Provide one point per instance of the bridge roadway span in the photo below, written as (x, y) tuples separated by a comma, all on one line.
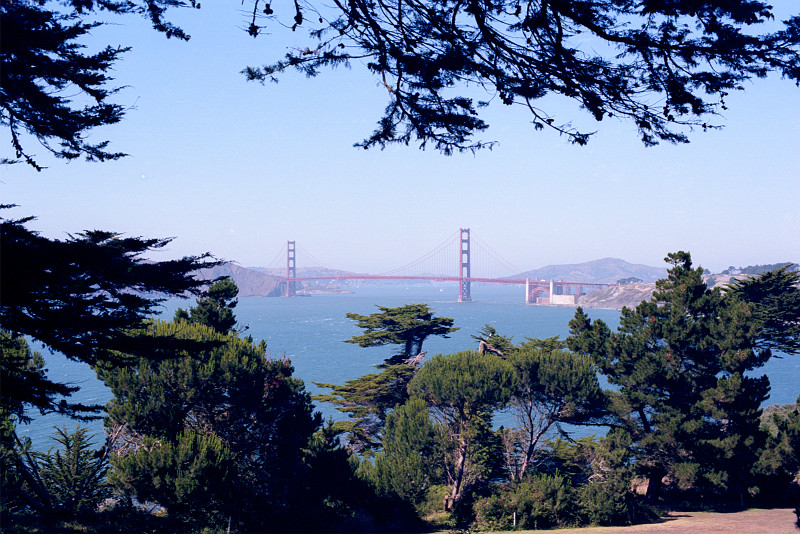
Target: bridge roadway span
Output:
[(437, 278), (533, 287)]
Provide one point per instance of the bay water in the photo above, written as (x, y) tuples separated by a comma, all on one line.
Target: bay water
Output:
[(311, 332)]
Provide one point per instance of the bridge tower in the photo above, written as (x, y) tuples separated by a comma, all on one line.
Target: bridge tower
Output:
[(464, 294), (291, 269)]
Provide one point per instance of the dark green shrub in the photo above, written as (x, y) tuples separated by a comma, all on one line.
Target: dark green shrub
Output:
[(535, 502), (606, 502)]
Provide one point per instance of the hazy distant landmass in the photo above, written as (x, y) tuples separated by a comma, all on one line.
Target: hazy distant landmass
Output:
[(630, 295), (606, 270), (251, 282), (263, 282)]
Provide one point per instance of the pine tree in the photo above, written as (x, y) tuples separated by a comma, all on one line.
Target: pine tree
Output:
[(462, 390), (369, 398), (214, 308), (74, 475), (42, 54), (411, 461), (552, 387), (407, 326), (241, 421), (682, 367), (663, 67), (779, 462)]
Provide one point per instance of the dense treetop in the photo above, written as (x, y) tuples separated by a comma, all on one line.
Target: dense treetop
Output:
[(684, 367), (663, 66), (85, 297), (52, 90), (407, 325)]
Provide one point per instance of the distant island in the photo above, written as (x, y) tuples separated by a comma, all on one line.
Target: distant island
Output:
[(636, 281)]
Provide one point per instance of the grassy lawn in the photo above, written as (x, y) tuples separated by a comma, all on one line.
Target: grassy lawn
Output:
[(755, 521)]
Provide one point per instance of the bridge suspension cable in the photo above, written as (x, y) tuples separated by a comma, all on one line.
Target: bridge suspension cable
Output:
[(512, 269), (436, 253), (314, 261), (279, 260)]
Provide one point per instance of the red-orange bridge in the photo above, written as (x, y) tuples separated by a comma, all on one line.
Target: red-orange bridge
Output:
[(536, 291)]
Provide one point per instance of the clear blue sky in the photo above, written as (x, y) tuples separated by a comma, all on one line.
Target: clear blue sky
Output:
[(237, 169)]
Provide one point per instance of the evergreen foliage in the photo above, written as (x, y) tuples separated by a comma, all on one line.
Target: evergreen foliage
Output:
[(237, 419), (407, 325), (369, 398), (85, 296), (682, 367), (51, 89), (587, 482), (779, 463), (489, 340), (412, 459), (214, 308), (66, 484), (552, 387), (462, 390), (612, 59), (535, 502), (74, 475), (24, 384), (773, 302), (192, 476)]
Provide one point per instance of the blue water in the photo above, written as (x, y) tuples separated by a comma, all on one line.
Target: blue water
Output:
[(310, 331)]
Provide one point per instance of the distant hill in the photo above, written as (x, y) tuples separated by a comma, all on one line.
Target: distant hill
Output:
[(262, 282), (251, 282), (617, 297), (631, 295), (607, 270)]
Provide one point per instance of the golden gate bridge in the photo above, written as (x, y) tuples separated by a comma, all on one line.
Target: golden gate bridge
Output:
[(456, 251)]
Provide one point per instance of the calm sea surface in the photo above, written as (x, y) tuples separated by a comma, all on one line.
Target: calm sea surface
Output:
[(310, 331)]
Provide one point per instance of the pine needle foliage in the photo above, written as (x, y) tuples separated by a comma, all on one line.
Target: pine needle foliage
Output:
[(74, 475), (53, 92), (407, 326), (222, 431), (462, 390), (552, 387), (683, 369), (663, 67), (369, 398)]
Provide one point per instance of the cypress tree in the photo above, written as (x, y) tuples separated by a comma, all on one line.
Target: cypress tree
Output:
[(682, 366), (223, 431), (462, 390), (367, 399)]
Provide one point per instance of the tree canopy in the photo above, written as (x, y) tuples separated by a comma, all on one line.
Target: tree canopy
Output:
[(683, 367), (368, 399), (663, 66), (551, 387), (51, 89), (84, 297), (462, 390), (213, 433), (407, 325), (215, 307)]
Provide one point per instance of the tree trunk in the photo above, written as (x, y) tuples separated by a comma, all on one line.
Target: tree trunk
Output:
[(458, 479), (654, 485)]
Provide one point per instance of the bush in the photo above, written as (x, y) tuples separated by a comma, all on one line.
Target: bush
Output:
[(606, 502), (535, 502)]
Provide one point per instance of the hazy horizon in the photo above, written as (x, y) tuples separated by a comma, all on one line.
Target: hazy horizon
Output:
[(237, 169)]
